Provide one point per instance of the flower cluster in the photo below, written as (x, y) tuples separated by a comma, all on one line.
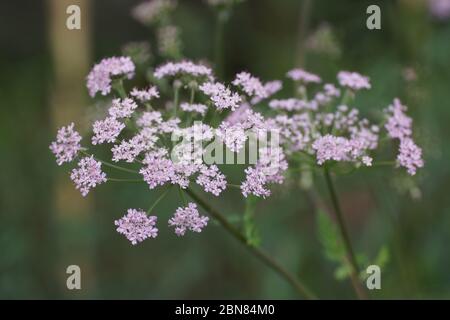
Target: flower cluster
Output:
[(136, 226), (162, 144), (399, 126), (67, 144), (188, 218), (101, 76), (88, 175)]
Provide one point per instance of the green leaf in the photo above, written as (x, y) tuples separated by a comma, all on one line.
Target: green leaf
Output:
[(383, 257), (329, 237)]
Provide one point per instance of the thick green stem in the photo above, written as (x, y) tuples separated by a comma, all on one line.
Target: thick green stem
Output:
[(350, 255), (117, 85), (259, 253)]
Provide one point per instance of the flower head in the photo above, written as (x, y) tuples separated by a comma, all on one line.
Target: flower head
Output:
[(189, 68), (398, 124), (410, 156), (145, 95), (100, 77), (194, 107), (251, 85), (212, 180), (353, 80), (67, 144), (122, 108), (221, 96), (106, 130), (303, 76), (136, 226), (88, 175), (152, 11), (188, 218)]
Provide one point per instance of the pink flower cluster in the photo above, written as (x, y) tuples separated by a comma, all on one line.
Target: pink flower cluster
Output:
[(136, 226), (88, 175), (101, 76), (353, 80), (172, 69), (167, 147), (188, 218), (67, 144), (303, 76), (221, 96), (399, 126)]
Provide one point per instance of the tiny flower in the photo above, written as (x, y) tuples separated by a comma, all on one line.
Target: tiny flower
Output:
[(221, 96), (145, 95), (410, 156), (172, 69), (100, 77), (303, 76), (252, 86), (152, 11), (149, 119), (88, 175), (291, 104), (136, 226), (158, 169), (67, 144), (255, 183), (195, 107), (122, 108), (398, 124), (188, 218), (353, 80), (270, 88), (331, 147), (212, 180), (106, 130)]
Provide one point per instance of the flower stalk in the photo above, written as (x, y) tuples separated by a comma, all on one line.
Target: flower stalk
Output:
[(350, 255), (259, 253)]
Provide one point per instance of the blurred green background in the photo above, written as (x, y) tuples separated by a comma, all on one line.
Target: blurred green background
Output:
[(46, 226)]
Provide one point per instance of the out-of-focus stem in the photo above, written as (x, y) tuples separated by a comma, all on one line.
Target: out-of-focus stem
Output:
[(350, 255), (219, 46), (259, 253)]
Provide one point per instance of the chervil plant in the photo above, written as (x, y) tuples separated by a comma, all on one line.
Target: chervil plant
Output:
[(178, 131)]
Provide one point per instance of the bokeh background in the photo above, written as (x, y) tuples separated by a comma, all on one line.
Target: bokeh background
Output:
[(45, 225)]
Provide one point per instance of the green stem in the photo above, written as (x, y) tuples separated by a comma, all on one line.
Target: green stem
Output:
[(108, 164), (222, 17), (259, 253), (125, 180), (158, 200), (350, 255), (176, 98), (117, 85)]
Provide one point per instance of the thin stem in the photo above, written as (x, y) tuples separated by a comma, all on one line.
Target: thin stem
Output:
[(125, 180), (183, 198), (176, 98), (350, 255), (191, 100), (384, 163), (108, 164), (158, 200), (259, 253)]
